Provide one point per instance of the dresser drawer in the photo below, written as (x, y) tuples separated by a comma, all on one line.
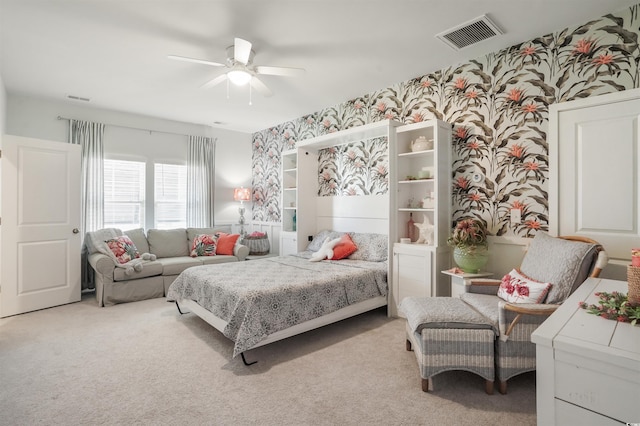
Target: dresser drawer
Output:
[(602, 389)]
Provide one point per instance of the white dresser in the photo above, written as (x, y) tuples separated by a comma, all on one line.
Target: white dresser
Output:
[(588, 367)]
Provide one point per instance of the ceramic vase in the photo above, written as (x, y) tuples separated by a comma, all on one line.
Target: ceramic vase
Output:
[(471, 259)]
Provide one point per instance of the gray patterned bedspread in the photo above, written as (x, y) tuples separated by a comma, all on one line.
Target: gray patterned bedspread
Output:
[(260, 297)]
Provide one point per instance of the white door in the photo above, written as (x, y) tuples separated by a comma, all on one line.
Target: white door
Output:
[(595, 181), (40, 221)]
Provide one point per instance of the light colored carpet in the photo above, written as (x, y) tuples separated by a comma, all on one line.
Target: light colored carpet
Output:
[(144, 363)]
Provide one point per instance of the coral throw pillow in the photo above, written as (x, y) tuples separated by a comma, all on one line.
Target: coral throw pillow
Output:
[(123, 249), (344, 248), (226, 243), (516, 288), (204, 245)]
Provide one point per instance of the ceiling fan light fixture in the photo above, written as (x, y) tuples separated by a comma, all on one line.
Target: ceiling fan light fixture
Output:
[(239, 77)]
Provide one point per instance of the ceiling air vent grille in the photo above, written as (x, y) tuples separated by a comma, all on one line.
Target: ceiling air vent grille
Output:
[(469, 33)]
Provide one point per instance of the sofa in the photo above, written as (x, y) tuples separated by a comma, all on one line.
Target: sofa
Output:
[(170, 250)]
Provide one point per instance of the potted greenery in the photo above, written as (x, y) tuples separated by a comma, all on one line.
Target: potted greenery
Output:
[(469, 242)]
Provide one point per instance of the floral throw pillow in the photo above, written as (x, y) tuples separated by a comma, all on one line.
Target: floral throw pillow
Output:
[(123, 249), (204, 245), (516, 288)]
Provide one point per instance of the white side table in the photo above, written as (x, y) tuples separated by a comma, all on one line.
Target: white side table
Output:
[(458, 281)]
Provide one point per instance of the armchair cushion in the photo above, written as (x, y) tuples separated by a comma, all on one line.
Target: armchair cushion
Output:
[(563, 263)]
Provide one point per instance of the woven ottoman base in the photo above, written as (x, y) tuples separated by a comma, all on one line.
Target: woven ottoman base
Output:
[(452, 345)]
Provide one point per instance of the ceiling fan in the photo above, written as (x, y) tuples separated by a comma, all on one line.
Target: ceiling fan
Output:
[(241, 69)]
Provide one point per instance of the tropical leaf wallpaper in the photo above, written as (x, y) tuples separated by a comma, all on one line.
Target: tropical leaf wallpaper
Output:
[(499, 107)]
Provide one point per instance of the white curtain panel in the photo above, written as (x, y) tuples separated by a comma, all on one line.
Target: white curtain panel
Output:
[(201, 175), (90, 137)]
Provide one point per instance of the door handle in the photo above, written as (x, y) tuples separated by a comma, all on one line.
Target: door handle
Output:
[(75, 230)]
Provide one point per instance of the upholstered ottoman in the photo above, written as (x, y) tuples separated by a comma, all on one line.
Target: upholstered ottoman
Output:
[(447, 334)]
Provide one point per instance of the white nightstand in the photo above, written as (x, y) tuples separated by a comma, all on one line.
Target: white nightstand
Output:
[(458, 281)]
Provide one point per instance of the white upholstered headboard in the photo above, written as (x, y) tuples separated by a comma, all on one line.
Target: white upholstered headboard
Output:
[(365, 213)]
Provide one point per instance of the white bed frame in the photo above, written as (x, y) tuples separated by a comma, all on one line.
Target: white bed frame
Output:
[(345, 214)]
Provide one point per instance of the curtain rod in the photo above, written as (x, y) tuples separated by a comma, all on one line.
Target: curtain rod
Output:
[(136, 128)]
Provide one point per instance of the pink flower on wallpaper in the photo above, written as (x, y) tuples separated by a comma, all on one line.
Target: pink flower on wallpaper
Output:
[(518, 205), (532, 224), (326, 176), (460, 83), (274, 131), (382, 170), (333, 185), (474, 197), (583, 46), (326, 123), (461, 132), (381, 106), (516, 151), (417, 117), (462, 182), (425, 84), (515, 95), (530, 107), (310, 120), (358, 105), (603, 59), (358, 164), (351, 154), (471, 94), (527, 51), (351, 192), (531, 166), (473, 145), (389, 116), (287, 135)]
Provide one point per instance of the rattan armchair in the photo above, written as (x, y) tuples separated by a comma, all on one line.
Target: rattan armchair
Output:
[(565, 262)]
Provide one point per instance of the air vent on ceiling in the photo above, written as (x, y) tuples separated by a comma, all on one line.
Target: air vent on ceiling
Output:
[(474, 31)]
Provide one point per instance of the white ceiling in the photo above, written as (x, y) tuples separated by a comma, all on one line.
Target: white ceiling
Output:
[(115, 51)]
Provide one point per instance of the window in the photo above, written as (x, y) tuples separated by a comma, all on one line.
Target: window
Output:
[(124, 185), (170, 207)]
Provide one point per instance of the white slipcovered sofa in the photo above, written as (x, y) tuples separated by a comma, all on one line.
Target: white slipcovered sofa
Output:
[(171, 248)]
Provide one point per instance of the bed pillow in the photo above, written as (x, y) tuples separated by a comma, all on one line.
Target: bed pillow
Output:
[(344, 248), (319, 239), (371, 247), (204, 245), (123, 249), (226, 243), (516, 288)]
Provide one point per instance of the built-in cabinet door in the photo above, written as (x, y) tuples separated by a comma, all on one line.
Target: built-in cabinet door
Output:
[(594, 188), (288, 243), (412, 271)]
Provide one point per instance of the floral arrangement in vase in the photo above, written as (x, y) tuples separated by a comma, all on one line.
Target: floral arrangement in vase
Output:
[(469, 239)]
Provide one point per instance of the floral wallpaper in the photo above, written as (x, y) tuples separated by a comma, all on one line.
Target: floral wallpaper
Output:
[(498, 105)]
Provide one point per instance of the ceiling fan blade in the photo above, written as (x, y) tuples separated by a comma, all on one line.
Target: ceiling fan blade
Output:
[(241, 50), (197, 61), (219, 79), (285, 71), (257, 84)]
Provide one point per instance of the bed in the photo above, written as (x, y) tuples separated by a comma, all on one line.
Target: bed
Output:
[(257, 302)]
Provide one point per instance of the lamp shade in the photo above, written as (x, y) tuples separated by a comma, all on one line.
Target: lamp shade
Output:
[(242, 194)]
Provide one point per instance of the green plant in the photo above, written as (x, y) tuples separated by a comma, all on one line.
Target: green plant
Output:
[(615, 306), (468, 233)]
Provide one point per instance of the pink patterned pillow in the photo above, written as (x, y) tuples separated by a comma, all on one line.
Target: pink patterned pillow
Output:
[(516, 288), (123, 249), (204, 245)]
